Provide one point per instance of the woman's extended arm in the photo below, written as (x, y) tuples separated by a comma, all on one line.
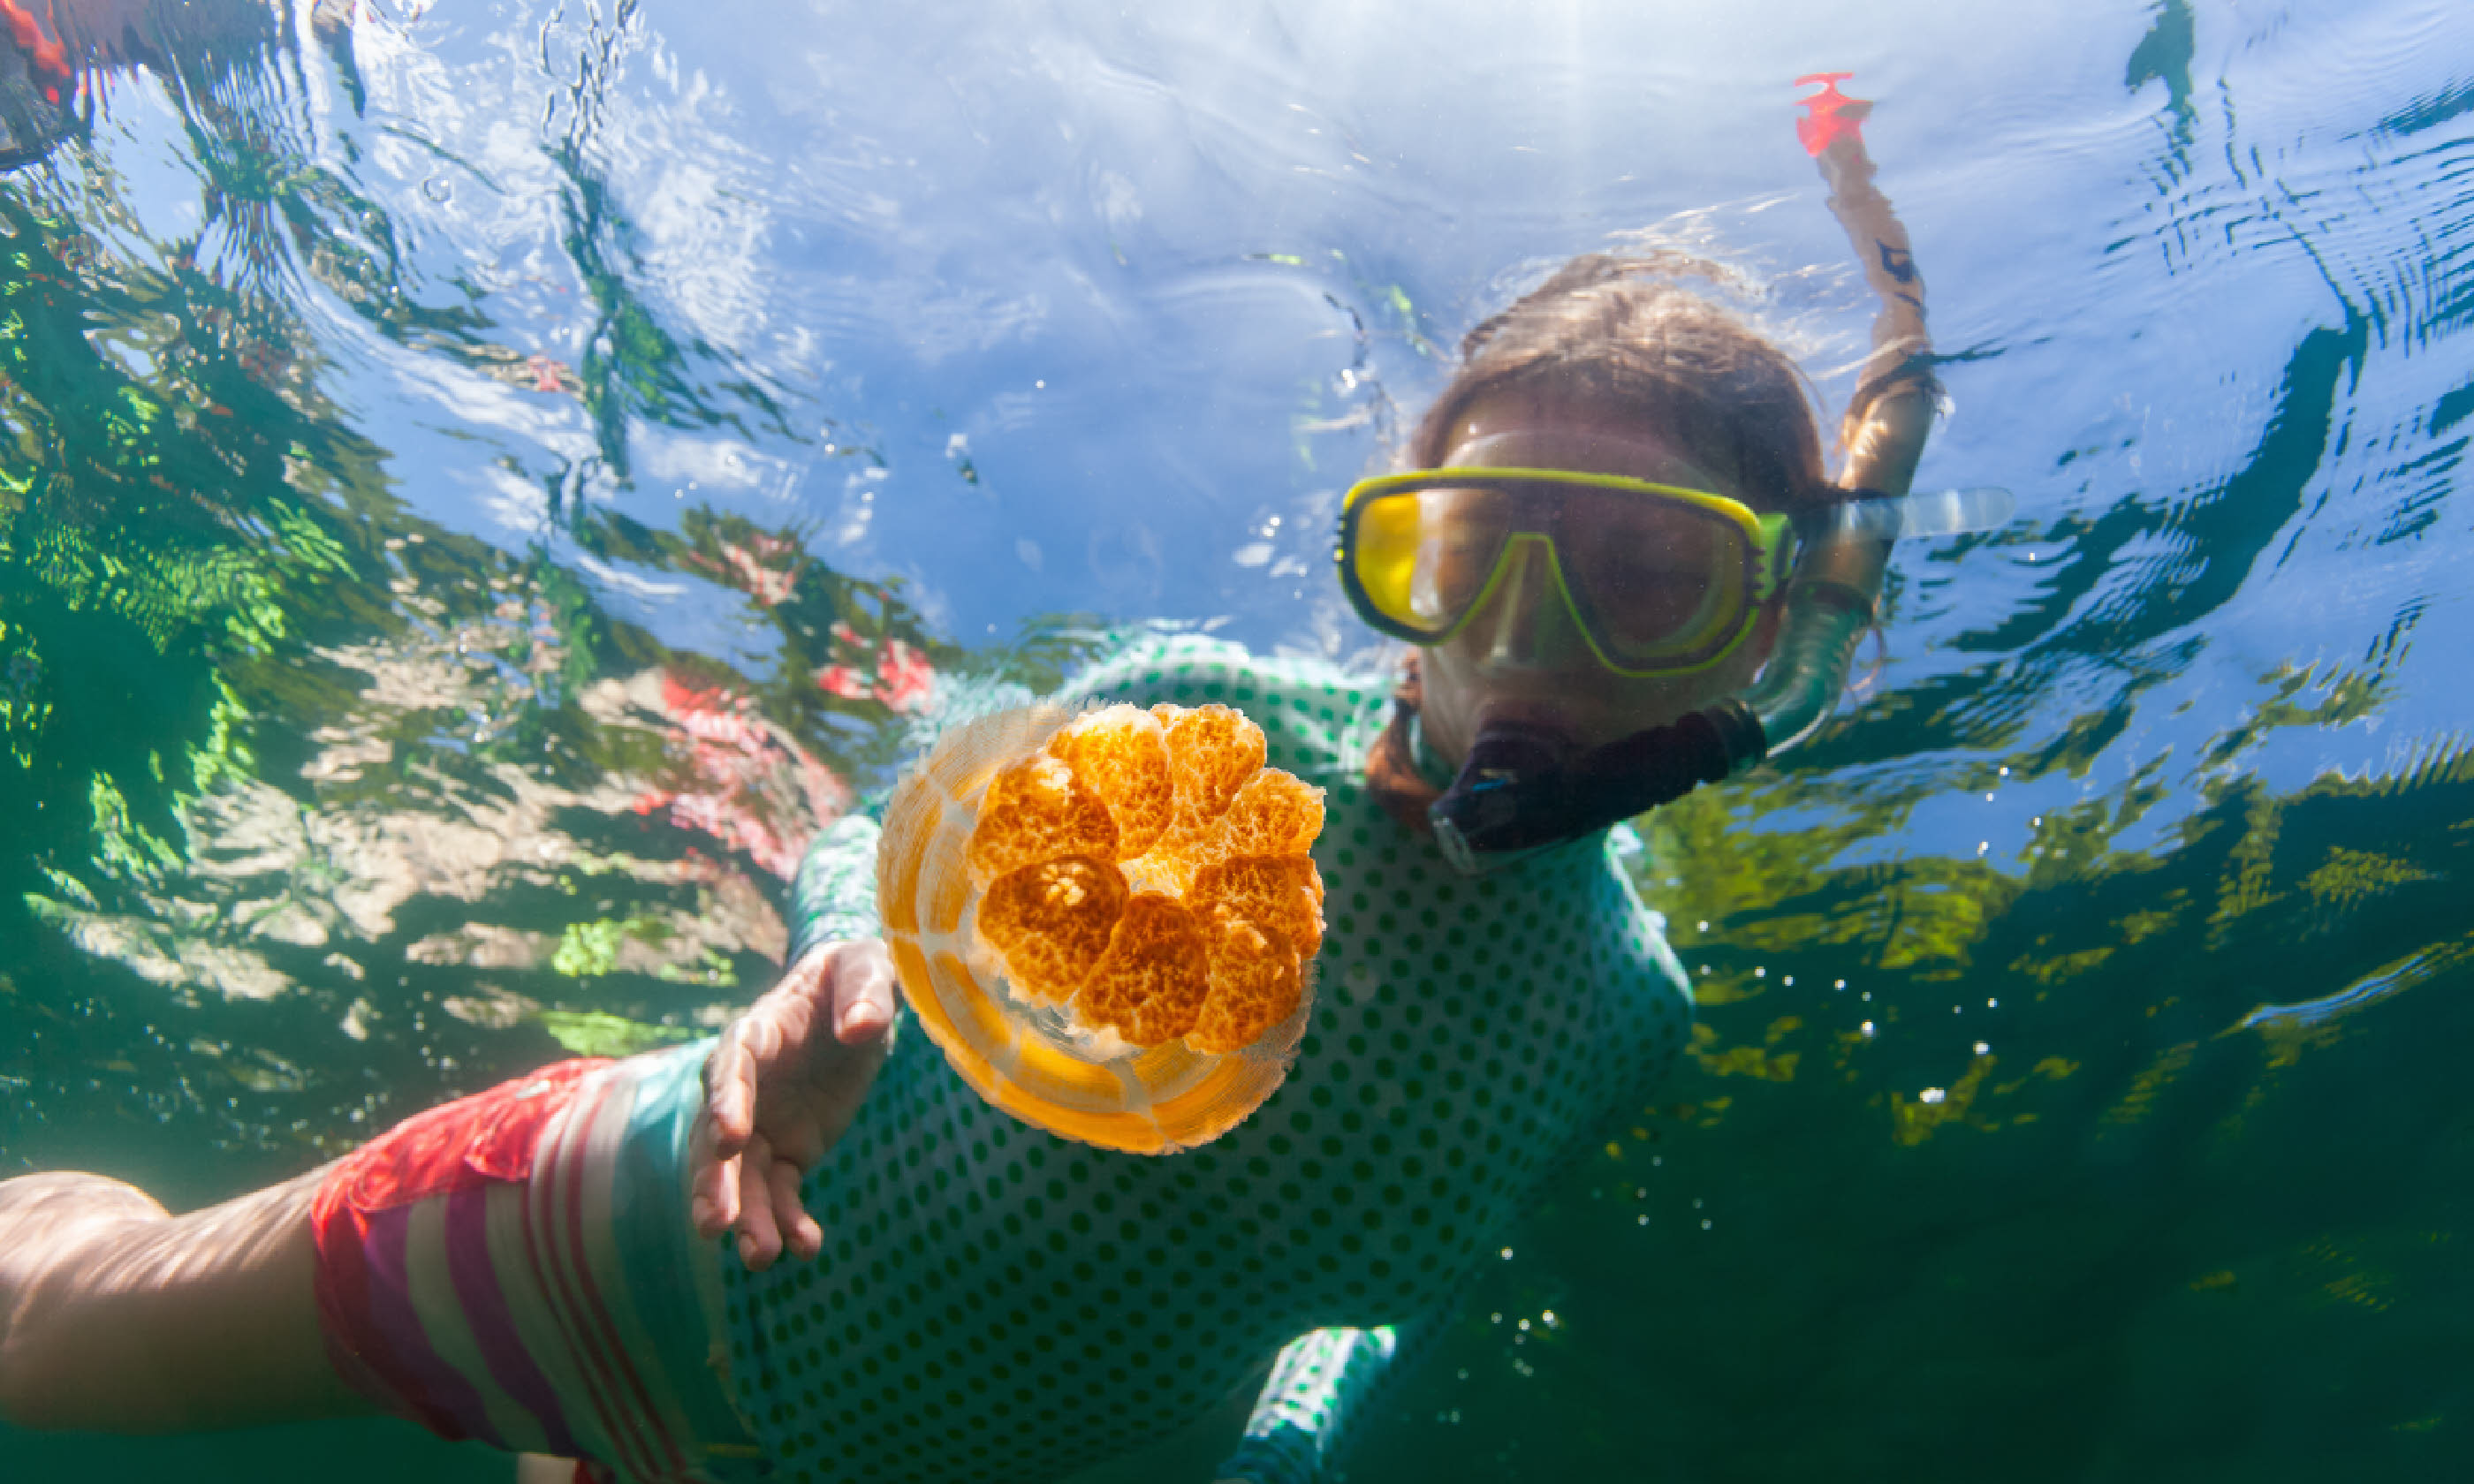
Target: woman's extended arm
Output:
[(1892, 408)]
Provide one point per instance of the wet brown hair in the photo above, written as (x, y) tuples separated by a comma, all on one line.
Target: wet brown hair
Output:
[(1643, 337)]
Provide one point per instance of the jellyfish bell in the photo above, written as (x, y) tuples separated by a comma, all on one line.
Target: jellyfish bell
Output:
[(1107, 919)]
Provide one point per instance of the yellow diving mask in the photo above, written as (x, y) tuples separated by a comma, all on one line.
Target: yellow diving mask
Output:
[(1658, 580)]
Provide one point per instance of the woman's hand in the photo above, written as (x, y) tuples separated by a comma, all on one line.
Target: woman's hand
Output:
[(780, 1088)]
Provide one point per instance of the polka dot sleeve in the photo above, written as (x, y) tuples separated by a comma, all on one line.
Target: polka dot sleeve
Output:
[(1318, 1383), (834, 900)]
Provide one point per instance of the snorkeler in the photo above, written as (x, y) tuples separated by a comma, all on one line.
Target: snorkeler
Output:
[(1624, 573)]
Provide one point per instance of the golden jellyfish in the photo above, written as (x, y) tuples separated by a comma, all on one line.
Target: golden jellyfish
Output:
[(1108, 919)]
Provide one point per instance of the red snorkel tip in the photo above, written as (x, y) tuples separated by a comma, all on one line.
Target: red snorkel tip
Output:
[(49, 64), (1830, 115)]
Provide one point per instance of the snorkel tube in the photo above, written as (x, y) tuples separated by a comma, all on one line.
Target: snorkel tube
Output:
[(1521, 790)]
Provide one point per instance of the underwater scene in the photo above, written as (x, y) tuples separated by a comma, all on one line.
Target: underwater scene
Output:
[(483, 482)]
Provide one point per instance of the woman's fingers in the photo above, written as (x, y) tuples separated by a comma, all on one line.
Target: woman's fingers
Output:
[(713, 1182), (863, 978), (749, 1048), (729, 1094), (800, 1233), (748, 1155), (759, 1238)]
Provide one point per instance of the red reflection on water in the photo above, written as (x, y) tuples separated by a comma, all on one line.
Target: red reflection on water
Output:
[(904, 676), (742, 780)]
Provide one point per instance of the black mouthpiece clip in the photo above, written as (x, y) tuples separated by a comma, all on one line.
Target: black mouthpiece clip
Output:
[(1522, 789)]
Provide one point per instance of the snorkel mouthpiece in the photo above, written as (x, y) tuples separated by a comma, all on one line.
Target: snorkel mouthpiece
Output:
[(1523, 789), (1505, 800)]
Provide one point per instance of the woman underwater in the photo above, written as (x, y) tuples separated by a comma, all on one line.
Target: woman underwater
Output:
[(1624, 573)]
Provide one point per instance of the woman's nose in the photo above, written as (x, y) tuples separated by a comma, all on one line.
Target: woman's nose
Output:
[(1526, 624)]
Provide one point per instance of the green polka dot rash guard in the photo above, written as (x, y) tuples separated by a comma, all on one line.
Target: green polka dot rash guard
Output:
[(995, 1302)]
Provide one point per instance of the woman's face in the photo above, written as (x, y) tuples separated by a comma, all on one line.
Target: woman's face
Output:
[(1518, 657)]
